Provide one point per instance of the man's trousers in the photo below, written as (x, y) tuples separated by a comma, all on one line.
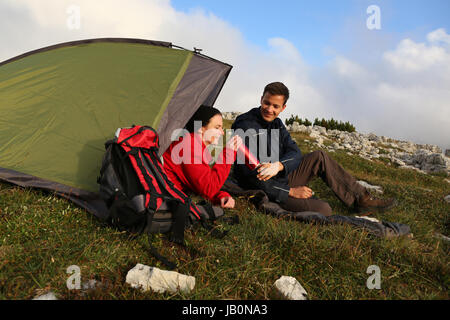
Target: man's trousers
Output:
[(319, 163)]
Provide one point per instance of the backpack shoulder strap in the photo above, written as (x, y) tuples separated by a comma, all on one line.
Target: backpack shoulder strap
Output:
[(168, 185)]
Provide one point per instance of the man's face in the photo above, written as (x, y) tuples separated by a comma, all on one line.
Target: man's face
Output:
[(271, 106)]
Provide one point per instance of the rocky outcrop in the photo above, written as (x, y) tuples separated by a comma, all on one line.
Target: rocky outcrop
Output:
[(424, 158), (230, 115)]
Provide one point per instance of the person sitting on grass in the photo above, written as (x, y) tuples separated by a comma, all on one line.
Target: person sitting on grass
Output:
[(187, 160), (285, 180)]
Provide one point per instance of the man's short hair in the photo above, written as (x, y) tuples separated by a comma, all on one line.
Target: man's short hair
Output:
[(277, 88)]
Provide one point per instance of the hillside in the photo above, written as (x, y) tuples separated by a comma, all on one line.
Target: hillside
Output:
[(41, 235)]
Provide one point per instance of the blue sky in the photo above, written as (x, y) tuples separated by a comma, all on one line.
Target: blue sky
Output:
[(320, 29)]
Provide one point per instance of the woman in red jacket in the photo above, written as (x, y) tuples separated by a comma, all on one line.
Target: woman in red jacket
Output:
[(187, 161)]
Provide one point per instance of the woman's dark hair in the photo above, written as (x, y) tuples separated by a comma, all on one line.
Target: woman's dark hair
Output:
[(203, 114)]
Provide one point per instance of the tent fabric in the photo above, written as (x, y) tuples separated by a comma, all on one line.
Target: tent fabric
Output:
[(84, 42), (60, 104), (201, 84), (90, 201)]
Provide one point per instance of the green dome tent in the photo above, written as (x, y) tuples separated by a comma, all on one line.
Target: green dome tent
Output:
[(59, 104)]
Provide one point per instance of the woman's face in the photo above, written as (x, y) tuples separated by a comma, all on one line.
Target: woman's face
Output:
[(213, 130)]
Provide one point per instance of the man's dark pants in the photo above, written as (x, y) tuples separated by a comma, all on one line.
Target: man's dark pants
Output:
[(319, 163)]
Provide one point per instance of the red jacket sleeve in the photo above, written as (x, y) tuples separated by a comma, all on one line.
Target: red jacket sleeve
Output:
[(207, 181), (219, 195)]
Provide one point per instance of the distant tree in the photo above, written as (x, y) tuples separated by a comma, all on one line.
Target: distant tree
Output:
[(331, 124)]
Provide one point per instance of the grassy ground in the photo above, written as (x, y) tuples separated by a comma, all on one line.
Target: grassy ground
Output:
[(41, 235)]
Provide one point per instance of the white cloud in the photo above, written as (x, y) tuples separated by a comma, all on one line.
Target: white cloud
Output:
[(439, 36), (288, 51), (404, 95), (410, 56), (347, 68)]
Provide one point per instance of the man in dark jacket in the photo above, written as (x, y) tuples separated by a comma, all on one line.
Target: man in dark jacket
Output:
[(284, 172)]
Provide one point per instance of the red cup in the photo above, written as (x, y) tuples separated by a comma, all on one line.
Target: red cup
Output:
[(250, 160)]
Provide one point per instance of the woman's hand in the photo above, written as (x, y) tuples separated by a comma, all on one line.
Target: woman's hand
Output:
[(227, 202)]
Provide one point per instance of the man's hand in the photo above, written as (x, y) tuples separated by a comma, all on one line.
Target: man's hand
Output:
[(227, 202), (269, 170), (300, 192)]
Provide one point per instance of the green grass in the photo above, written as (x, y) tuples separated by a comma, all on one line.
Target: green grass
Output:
[(41, 235)]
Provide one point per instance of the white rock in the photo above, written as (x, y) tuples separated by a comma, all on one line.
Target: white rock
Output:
[(335, 145), (320, 141), (292, 127), (407, 159), (333, 132), (355, 134), (230, 115), (447, 198), (370, 187), (399, 162), (364, 156), (48, 296), (374, 137), (289, 288), (347, 146), (438, 158), (303, 128), (314, 135), (152, 278), (296, 127), (321, 130), (429, 147)]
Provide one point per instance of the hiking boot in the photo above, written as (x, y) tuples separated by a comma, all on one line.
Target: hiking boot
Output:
[(367, 203)]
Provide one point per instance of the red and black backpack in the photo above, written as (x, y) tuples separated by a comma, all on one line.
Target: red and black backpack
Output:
[(139, 195)]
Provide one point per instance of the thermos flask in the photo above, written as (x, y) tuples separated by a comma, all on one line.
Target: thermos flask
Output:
[(250, 160)]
